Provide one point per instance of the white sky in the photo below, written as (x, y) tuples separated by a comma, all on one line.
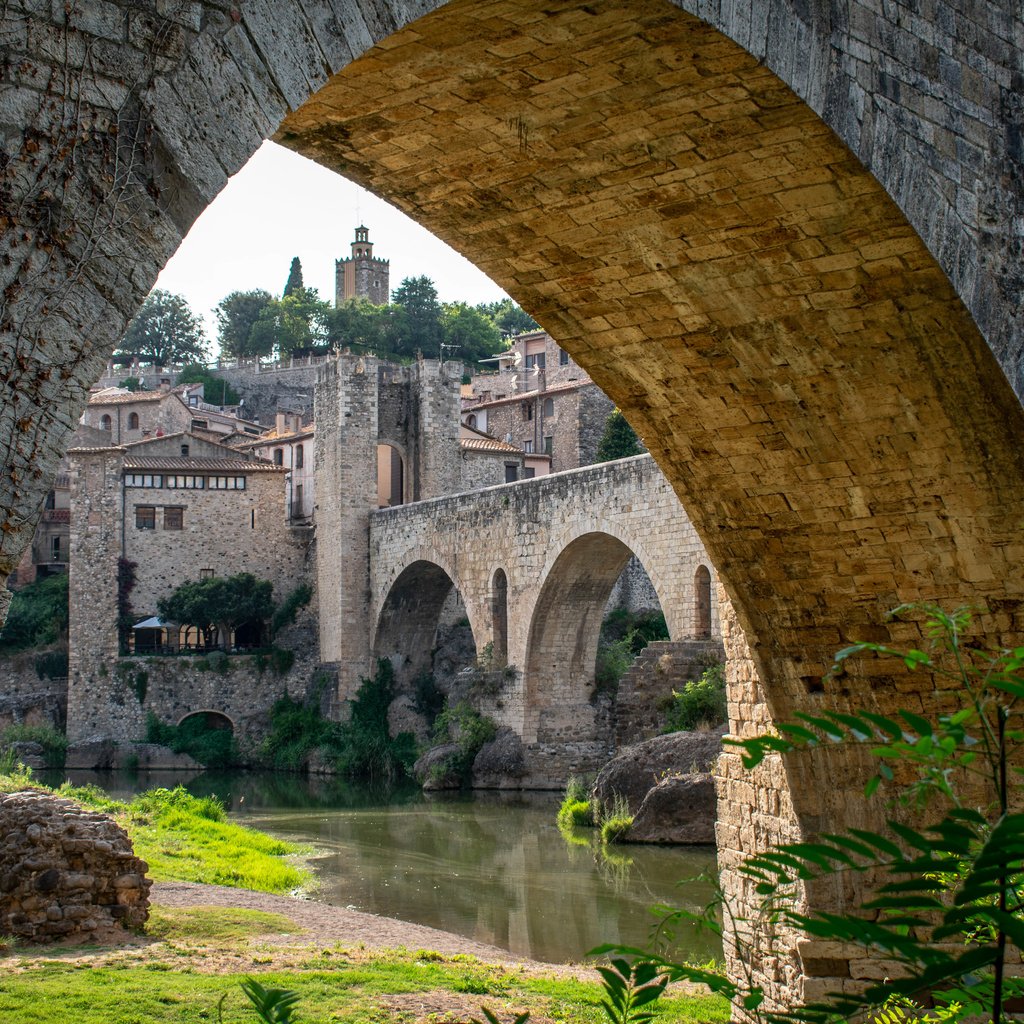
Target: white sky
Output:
[(282, 205)]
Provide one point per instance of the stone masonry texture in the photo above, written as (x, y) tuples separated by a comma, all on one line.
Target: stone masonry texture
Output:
[(784, 238)]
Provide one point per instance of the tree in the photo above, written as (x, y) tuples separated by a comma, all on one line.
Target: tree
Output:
[(359, 324), (302, 322), (294, 282), (472, 335), (218, 605), (164, 331), (237, 316), (216, 390), (417, 318), (509, 318), (619, 440)]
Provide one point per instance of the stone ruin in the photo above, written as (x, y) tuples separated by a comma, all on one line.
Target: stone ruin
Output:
[(66, 873)]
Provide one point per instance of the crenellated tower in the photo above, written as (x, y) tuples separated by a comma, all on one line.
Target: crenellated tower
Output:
[(361, 275)]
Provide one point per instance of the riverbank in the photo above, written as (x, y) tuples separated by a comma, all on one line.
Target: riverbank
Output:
[(348, 967)]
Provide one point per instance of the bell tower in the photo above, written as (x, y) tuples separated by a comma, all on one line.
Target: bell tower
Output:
[(361, 275)]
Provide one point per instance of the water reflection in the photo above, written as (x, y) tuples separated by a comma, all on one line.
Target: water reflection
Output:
[(491, 866)]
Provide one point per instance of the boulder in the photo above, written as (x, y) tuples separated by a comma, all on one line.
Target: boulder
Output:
[(679, 809), (433, 770), (107, 754), (499, 763), (30, 754), (637, 769), (99, 754)]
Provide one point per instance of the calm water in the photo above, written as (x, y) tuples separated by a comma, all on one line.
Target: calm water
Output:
[(490, 866)]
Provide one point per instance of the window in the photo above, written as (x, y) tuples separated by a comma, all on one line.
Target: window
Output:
[(471, 421), (548, 408), (189, 481), (55, 549), (300, 457), (145, 517), (206, 574), (529, 473), (184, 451), (528, 410), (528, 447), (536, 361), (174, 518), (278, 456), (143, 480), (106, 423), (200, 424), (563, 357), (297, 502), (226, 483), (549, 444), (133, 421), (511, 472)]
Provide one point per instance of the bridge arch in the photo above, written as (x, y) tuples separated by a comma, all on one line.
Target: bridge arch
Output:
[(558, 678), (211, 719), (409, 617), (721, 263)]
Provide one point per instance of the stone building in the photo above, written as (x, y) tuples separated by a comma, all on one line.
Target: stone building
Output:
[(289, 444), (180, 508), (361, 275), (542, 402)]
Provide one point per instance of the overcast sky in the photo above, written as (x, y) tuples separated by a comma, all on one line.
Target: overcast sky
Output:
[(282, 205)]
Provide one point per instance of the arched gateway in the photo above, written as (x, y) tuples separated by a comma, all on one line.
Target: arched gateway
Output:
[(774, 315)]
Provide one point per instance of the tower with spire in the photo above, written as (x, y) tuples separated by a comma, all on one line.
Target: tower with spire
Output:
[(361, 275)]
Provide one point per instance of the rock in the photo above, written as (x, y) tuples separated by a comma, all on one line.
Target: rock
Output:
[(500, 762), (637, 769), (51, 892), (98, 754), (433, 770), (679, 809), (32, 755), (148, 756), (403, 717)]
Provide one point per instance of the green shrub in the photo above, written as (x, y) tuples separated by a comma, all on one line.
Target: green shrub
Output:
[(285, 614), (281, 660), (468, 730), (212, 747), (216, 661), (700, 703), (296, 729), (428, 700), (38, 615), (624, 635), (576, 813), (54, 744), (616, 828)]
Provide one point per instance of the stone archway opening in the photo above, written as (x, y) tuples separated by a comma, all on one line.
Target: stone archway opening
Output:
[(207, 721), (424, 632), (390, 476)]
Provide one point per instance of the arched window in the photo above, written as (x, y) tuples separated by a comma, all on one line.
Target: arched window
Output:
[(299, 457), (471, 421), (106, 423), (499, 618), (702, 600), (133, 421)]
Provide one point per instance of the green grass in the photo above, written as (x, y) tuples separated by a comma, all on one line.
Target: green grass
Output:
[(349, 990), (214, 924), (185, 838)]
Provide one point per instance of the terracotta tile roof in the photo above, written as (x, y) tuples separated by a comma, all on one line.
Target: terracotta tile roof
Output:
[(94, 449), (172, 463), (272, 437), (471, 404), (115, 396), (489, 444)]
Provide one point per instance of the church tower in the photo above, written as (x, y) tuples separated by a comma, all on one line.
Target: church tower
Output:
[(361, 275)]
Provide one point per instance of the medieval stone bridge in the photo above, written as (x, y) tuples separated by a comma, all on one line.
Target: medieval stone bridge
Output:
[(535, 563), (784, 237)]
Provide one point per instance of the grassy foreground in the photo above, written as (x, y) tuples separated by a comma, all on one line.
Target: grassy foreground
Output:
[(205, 953)]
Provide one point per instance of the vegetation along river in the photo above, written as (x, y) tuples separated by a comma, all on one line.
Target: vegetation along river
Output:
[(491, 866)]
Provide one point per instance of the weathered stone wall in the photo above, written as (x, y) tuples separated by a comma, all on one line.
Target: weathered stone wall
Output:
[(29, 699), (633, 590), (661, 667), (265, 391), (66, 873), (163, 413), (226, 531), (485, 469)]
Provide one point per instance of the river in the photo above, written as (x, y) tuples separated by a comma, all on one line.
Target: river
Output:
[(491, 866)]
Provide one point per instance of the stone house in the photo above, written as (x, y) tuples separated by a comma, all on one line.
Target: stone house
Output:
[(540, 401), (289, 444)]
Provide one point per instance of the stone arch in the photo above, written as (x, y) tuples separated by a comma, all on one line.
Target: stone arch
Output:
[(702, 601), (562, 647), (408, 618), (499, 616), (212, 719), (392, 486)]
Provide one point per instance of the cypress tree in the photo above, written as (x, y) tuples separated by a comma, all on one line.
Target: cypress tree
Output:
[(294, 277)]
